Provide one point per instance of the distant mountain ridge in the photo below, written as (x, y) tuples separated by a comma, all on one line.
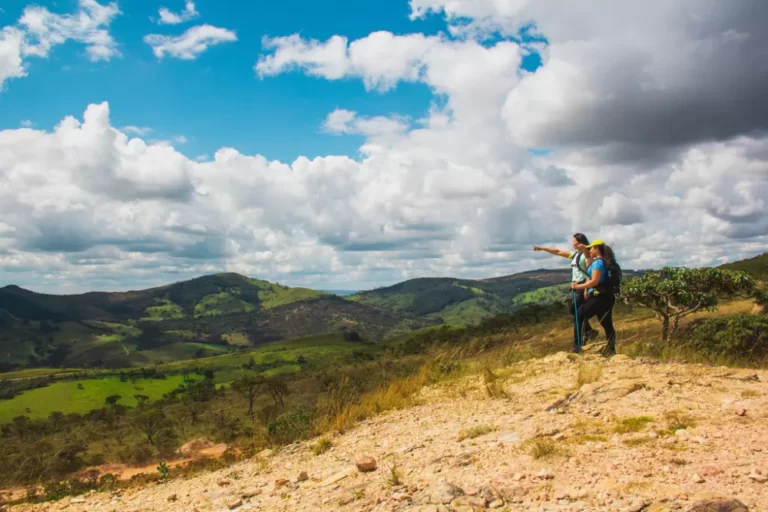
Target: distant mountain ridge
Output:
[(217, 313)]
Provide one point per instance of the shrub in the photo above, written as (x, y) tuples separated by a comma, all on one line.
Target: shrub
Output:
[(289, 427), (738, 336)]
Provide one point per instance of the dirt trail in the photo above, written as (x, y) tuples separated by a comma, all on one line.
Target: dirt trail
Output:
[(644, 436)]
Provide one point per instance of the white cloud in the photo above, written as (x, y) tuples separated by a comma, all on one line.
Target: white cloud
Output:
[(39, 30), (342, 121), (453, 193), (180, 139), (136, 130), (45, 29), (11, 62), (191, 43), (168, 17), (27, 124)]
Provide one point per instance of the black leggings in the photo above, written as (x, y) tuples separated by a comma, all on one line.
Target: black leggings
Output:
[(579, 295), (600, 306)]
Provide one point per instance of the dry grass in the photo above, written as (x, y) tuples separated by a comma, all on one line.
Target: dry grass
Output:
[(637, 441), (539, 448), (477, 431), (634, 424), (750, 393), (493, 385), (677, 420), (588, 373), (322, 446)]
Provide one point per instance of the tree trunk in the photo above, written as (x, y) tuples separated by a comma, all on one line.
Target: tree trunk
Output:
[(665, 328)]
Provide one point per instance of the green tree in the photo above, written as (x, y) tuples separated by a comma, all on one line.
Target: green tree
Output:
[(676, 292), (277, 389), (112, 400), (56, 418), (249, 386), (141, 400), (151, 423)]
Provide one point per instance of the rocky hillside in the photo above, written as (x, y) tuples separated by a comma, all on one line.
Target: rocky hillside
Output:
[(563, 433)]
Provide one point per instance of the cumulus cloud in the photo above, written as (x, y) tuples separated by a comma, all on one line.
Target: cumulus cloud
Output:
[(168, 17), (39, 30), (455, 192), (190, 44)]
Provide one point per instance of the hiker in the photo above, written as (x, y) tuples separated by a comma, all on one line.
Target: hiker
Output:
[(578, 275), (599, 291)]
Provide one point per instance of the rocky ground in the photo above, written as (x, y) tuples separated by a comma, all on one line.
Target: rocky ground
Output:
[(564, 433)]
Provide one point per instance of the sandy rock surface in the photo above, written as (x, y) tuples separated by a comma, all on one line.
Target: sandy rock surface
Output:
[(644, 436)]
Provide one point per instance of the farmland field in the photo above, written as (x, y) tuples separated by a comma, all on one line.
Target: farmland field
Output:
[(65, 396), (281, 357)]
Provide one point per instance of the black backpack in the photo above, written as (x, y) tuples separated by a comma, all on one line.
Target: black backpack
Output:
[(612, 283)]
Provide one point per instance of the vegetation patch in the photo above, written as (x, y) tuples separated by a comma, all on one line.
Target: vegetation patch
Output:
[(223, 303), (634, 424), (166, 310), (476, 431), (323, 445)]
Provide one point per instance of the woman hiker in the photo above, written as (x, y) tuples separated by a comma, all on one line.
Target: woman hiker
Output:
[(599, 299), (578, 275)]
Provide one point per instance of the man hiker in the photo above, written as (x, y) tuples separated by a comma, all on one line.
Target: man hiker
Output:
[(578, 275)]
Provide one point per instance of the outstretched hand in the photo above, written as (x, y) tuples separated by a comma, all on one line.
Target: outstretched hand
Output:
[(536, 248)]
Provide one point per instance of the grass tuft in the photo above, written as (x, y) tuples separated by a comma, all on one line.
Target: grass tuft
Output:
[(634, 424), (477, 431), (539, 448), (322, 446)]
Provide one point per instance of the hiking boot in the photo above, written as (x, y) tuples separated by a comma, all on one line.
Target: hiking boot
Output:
[(608, 351)]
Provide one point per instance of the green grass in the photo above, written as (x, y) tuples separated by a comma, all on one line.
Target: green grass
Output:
[(272, 295), (185, 335), (466, 312), (167, 310), (237, 338), (542, 295), (67, 398), (222, 303)]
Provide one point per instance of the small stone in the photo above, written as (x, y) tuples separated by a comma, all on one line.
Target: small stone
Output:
[(78, 500), (365, 464), (697, 478), (233, 504), (518, 476), (280, 482), (681, 432), (442, 492), (558, 436), (496, 504), (250, 493), (758, 478), (741, 412), (303, 477), (545, 474), (172, 498), (719, 506), (224, 482)]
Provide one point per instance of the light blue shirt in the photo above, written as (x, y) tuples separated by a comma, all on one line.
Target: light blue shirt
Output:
[(596, 265)]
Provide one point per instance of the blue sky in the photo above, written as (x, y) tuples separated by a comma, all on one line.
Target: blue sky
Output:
[(538, 122), (217, 100)]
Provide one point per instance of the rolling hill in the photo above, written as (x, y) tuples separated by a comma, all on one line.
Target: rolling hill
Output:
[(757, 267), (205, 316), (463, 301), (219, 313)]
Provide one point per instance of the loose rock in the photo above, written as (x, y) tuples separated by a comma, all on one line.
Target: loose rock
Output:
[(366, 464)]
